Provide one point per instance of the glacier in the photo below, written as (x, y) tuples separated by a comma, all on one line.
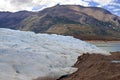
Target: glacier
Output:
[(25, 55)]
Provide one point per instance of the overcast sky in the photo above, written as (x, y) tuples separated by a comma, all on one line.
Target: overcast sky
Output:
[(36, 5)]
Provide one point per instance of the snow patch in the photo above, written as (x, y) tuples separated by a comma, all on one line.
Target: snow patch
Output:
[(115, 61)]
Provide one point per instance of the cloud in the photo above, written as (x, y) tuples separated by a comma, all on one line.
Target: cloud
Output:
[(49, 3), (16, 5), (115, 4), (78, 2), (116, 10), (110, 7), (35, 5), (100, 2), (103, 2)]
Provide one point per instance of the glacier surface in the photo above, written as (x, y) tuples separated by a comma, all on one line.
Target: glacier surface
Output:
[(26, 55)]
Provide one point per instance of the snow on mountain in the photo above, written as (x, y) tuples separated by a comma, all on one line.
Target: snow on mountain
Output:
[(26, 55)]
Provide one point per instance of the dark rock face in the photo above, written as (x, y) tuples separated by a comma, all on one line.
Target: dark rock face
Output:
[(64, 76), (97, 67), (74, 20)]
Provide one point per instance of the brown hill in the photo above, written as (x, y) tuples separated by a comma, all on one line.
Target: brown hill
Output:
[(97, 67), (91, 23)]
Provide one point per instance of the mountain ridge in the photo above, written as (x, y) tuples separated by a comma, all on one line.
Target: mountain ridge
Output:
[(74, 20)]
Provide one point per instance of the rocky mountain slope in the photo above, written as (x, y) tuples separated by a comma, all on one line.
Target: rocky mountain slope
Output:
[(12, 20), (91, 23), (96, 67)]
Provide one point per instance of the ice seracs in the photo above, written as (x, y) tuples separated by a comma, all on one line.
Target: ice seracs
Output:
[(26, 55)]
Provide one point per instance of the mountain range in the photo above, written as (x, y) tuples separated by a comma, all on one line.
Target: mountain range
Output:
[(87, 23)]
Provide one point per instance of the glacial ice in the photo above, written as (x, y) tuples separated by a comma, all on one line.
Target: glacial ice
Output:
[(25, 55)]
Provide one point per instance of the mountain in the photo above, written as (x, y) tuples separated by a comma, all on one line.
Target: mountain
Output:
[(88, 23), (12, 20), (96, 67), (26, 55)]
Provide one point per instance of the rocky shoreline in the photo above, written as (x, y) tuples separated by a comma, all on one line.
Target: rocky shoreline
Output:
[(97, 67), (94, 67)]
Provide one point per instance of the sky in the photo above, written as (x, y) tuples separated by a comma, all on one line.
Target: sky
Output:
[(36, 5)]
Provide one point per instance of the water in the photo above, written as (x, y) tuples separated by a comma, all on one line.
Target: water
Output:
[(108, 46)]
